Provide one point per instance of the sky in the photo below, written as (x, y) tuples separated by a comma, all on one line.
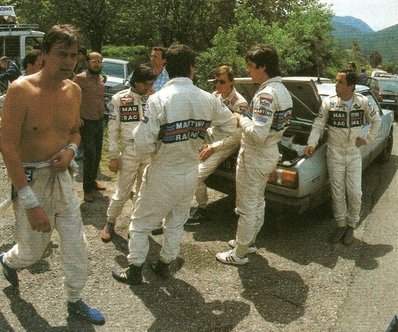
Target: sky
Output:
[(378, 14)]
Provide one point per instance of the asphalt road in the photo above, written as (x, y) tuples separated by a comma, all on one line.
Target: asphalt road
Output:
[(296, 281)]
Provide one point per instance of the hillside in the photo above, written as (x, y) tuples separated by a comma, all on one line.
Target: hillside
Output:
[(347, 29), (352, 22)]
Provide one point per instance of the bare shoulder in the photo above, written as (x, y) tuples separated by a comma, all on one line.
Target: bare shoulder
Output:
[(20, 89), (72, 87)]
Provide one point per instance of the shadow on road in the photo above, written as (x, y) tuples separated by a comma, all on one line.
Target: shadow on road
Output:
[(304, 239), (94, 213), (30, 320), (300, 238), (4, 325), (375, 181), (278, 296), (177, 306)]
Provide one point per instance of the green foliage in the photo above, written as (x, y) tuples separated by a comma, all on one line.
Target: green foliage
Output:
[(133, 54), (375, 59), (304, 42)]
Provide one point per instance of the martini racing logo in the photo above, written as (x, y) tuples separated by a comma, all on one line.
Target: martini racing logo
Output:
[(129, 113), (341, 119), (281, 119), (262, 110), (184, 130)]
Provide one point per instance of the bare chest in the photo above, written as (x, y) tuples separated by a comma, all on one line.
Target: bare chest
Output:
[(50, 112)]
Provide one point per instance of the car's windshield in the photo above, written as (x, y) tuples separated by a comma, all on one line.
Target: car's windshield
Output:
[(389, 86), (113, 69)]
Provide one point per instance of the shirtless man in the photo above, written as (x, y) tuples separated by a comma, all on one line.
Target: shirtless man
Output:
[(40, 135)]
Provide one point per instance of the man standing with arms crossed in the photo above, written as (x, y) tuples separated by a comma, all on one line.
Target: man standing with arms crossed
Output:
[(92, 128), (345, 114), (172, 132), (40, 134), (220, 146), (262, 128)]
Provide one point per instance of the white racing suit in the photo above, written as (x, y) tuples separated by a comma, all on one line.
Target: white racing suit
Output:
[(56, 194), (343, 157), (176, 120), (223, 145), (126, 111), (262, 126)]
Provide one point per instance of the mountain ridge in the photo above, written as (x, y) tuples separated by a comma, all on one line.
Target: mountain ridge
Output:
[(348, 29)]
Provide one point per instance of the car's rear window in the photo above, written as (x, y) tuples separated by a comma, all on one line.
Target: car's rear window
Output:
[(389, 86), (113, 69)]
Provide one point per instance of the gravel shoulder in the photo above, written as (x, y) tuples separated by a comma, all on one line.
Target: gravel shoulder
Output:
[(296, 281)]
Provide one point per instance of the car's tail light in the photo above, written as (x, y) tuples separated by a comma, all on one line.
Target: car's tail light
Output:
[(284, 178)]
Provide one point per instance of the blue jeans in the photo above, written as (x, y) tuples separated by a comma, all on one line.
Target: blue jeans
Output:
[(92, 133)]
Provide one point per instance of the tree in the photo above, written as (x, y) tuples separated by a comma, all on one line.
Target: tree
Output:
[(304, 42), (375, 59), (90, 16)]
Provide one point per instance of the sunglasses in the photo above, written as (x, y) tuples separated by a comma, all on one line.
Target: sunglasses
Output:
[(220, 81)]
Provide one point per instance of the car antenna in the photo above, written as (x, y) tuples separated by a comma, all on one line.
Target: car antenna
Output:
[(303, 104)]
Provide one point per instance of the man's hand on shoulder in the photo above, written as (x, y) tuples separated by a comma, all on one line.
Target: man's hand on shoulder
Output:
[(206, 152), (38, 219)]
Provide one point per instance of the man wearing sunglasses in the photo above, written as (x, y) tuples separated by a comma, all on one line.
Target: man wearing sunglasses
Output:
[(219, 145)]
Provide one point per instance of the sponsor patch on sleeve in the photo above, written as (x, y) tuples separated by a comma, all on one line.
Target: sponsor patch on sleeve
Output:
[(262, 112)]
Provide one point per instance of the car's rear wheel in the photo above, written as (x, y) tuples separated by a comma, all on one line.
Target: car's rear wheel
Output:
[(387, 149)]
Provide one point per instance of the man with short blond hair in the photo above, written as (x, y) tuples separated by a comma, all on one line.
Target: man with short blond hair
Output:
[(219, 145)]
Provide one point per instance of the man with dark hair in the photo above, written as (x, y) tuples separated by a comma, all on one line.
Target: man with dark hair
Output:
[(219, 145), (81, 64), (262, 127), (33, 62), (126, 110), (40, 134), (91, 129), (362, 77), (158, 60), (172, 132), (345, 113), (11, 71), (352, 66)]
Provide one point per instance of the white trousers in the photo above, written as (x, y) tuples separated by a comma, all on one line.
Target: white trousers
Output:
[(345, 174), (57, 195), (131, 168), (165, 193), (206, 168), (253, 168)]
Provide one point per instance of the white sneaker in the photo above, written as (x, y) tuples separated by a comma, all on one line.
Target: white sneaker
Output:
[(252, 248), (230, 257)]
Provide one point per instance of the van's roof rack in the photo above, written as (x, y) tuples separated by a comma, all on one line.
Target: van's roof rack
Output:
[(18, 27)]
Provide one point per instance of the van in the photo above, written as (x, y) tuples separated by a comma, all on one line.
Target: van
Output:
[(16, 39)]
